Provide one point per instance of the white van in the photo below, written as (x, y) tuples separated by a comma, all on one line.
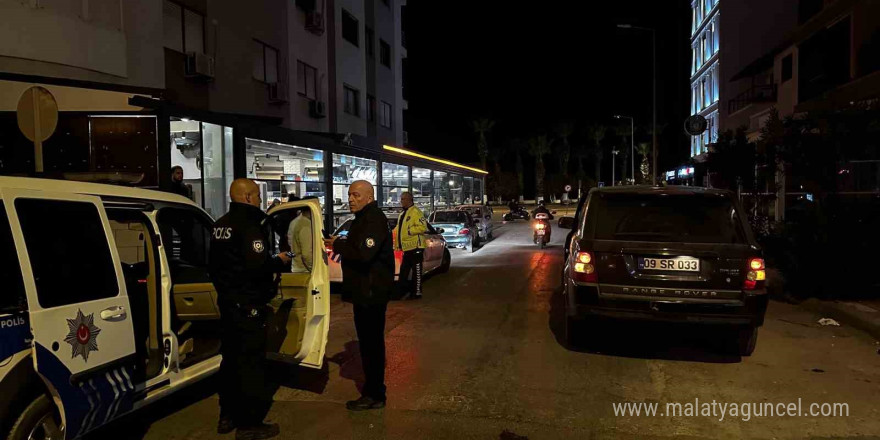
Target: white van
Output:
[(106, 303)]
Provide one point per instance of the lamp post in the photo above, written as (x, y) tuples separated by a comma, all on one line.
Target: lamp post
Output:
[(632, 148), (613, 166), (654, 92)]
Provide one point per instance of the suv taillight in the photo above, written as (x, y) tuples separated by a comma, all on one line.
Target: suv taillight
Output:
[(756, 275), (583, 269)]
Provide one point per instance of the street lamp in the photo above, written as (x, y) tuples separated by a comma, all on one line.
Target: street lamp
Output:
[(632, 148), (654, 87), (613, 166)]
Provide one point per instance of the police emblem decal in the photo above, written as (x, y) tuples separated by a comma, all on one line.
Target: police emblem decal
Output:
[(258, 246), (83, 335), (370, 242)]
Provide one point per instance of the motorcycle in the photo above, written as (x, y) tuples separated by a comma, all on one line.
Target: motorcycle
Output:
[(541, 235), (519, 213)]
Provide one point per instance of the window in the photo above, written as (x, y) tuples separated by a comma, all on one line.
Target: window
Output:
[(285, 170), (351, 104), (186, 236), (350, 29), (371, 108), (395, 181), (87, 272), (422, 188), (265, 62), (13, 297), (384, 53), (347, 169), (385, 115), (787, 67), (370, 37), (183, 29), (306, 85)]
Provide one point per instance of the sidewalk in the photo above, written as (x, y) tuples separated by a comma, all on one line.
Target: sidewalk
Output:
[(862, 315)]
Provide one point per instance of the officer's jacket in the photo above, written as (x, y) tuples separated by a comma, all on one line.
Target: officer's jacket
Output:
[(367, 258), (240, 263), (411, 225)]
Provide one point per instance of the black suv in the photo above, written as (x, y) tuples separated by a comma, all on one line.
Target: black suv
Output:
[(681, 254)]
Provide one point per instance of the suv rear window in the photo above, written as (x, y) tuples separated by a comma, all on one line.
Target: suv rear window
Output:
[(686, 218), (450, 217)]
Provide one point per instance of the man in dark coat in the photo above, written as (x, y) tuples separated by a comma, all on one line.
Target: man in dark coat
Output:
[(367, 254)]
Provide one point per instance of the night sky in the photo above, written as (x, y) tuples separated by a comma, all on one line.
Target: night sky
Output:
[(533, 64)]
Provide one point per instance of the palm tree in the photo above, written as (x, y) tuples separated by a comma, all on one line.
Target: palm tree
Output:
[(481, 127), (597, 134), (644, 149), (539, 146), (624, 132), (518, 147)]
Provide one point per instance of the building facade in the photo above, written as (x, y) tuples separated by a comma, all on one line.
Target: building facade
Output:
[(303, 96), (705, 69)]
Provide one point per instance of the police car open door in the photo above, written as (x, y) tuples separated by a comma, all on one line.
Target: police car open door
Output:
[(301, 320), (83, 345)]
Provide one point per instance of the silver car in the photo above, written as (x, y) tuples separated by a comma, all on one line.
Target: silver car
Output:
[(482, 214)]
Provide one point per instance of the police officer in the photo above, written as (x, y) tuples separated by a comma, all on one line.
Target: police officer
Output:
[(242, 271), (411, 226), (367, 280)]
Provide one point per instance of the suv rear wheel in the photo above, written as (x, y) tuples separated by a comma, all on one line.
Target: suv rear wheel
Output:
[(38, 421)]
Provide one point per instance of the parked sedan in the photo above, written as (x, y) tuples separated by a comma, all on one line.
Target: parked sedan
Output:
[(482, 214), (437, 258), (680, 254), (459, 229)]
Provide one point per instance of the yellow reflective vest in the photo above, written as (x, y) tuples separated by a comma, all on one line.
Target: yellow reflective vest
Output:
[(411, 226)]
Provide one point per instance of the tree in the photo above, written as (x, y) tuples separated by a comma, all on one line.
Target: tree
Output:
[(644, 149), (563, 148), (518, 147), (596, 133), (539, 146), (624, 132), (481, 127)]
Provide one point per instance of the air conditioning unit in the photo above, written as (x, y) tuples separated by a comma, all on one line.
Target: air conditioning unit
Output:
[(315, 22), (277, 93), (317, 109), (199, 65)]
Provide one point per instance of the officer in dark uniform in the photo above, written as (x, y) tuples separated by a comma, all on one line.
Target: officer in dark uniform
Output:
[(367, 254), (242, 271)]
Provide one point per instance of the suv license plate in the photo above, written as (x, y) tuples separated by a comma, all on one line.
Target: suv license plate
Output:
[(677, 264)]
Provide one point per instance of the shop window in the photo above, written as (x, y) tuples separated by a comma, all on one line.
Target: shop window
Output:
[(350, 28), (306, 80), (442, 192), (87, 272), (13, 297), (384, 53), (395, 182), (422, 188), (385, 115), (186, 153), (183, 28), (186, 236), (347, 169), (283, 170), (265, 62), (351, 104), (467, 191), (218, 167)]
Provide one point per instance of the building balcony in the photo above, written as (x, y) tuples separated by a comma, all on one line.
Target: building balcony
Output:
[(755, 94)]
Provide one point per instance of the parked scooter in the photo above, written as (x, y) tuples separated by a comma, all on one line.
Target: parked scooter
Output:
[(519, 213)]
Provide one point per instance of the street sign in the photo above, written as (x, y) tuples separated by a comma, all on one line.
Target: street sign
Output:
[(601, 184), (567, 188), (37, 115), (695, 125)]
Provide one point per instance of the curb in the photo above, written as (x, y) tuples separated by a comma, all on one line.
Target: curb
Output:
[(855, 315)]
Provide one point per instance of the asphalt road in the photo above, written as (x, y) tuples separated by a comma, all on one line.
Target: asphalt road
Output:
[(481, 357)]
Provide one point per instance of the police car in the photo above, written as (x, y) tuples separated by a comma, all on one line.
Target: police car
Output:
[(107, 304)]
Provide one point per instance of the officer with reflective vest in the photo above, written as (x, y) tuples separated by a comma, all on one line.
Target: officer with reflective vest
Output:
[(243, 272), (411, 228)]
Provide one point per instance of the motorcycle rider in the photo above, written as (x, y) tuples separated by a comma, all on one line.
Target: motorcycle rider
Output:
[(542, 209)]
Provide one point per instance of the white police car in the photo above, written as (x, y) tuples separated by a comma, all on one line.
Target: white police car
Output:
[(106, 304)]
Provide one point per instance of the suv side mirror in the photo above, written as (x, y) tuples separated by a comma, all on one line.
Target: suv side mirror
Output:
[(566, 222)]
